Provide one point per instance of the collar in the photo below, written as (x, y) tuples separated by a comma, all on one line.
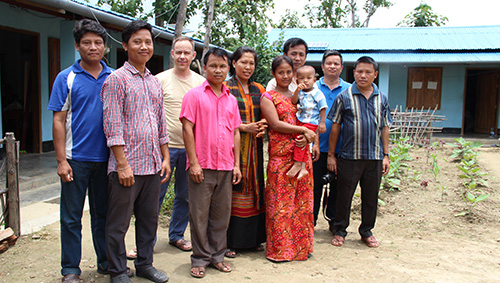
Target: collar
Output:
[(355, 89), (206, 86), (134, 71), (78, 69), (321, 82)]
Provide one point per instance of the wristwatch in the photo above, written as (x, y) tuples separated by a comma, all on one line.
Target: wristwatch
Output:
[(386, 154)]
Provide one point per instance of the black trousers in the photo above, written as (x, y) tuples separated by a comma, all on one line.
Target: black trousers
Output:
[(141, 199), (368, 174), (319, 170)]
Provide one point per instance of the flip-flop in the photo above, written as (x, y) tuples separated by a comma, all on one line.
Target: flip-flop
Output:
[(182, 244), (200, 273), (338, 241), (230, 253), (371, 242), (222, 267), (132, 254)]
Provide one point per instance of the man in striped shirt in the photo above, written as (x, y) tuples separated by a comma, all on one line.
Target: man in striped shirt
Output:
[(136, 132), (364, 113)]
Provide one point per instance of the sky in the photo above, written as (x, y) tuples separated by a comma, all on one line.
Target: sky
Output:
[(459, 12)]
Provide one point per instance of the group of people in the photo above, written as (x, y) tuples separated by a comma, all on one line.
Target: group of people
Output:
[(120, 133)]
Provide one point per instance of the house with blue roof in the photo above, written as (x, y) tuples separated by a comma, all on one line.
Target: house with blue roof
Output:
[(455, 69), (36, 43)]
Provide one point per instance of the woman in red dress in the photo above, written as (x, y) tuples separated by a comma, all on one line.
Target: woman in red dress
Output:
[(289, 202)]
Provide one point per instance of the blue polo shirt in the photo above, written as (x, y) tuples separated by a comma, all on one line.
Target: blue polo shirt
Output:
[(85, 140), (330, 95), (362, 121)]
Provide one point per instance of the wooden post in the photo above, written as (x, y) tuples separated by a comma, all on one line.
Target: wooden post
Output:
[(12, 169)]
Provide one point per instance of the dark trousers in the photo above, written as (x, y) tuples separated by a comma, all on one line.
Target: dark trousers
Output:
[(141, 199), (319, 170), (91, 176), (209, 214), (368, 173)]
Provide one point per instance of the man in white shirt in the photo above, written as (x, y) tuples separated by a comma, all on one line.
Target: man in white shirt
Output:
[(295, 48), (176, 82)]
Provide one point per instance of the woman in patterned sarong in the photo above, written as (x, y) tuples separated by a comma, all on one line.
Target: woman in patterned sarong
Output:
[(247, 224), (289, 202)]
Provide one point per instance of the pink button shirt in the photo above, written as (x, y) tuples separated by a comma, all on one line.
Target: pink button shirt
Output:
[(215, 119)]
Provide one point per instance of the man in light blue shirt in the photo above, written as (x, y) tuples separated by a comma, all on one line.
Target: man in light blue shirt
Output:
[(331, 85)]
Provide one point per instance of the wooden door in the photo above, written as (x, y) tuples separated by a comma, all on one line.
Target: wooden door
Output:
[(424, 87), (486, 101)]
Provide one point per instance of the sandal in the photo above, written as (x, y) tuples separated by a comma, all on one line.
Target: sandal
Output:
[(338, 241), (198, 271), (230, 253), (259, 248), (182, 244), (222, 267), (371, 242), (132, 254)]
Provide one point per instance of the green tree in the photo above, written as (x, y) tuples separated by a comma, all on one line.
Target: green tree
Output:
[(336, 14), (423, 16), (166, 11), (131, 8), (244, 22), (289, 20), (328, 14)]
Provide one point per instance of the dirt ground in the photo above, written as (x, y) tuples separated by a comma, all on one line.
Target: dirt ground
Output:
[(421, 240)]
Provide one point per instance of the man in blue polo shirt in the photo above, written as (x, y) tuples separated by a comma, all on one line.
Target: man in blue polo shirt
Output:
[(364, 114), (80, 147), (331, 85)]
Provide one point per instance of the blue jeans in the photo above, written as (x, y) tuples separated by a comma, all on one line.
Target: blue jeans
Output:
[(91, 175), (180, 211)]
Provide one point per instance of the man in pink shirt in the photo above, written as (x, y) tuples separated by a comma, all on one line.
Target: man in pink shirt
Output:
[(210, 120)]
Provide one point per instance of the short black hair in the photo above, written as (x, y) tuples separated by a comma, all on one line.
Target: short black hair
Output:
[(84, 26), (329, 53), (367, 59), (135, 26), (279, 60), (237, 55), (216, 51), (292, 42)]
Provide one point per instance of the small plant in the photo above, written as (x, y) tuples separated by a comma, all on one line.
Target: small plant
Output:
[(472, 196), (464, 147), (434, 167), (399, 154), (471, 171), (472, 177)]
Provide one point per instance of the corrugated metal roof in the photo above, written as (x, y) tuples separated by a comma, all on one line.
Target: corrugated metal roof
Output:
[(426, 58), (417, 38)]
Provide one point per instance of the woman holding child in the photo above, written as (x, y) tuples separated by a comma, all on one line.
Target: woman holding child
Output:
[(289, 200), (247, 225)]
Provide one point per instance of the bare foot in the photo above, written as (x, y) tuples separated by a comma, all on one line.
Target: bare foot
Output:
[(294, 170), (302, 173)]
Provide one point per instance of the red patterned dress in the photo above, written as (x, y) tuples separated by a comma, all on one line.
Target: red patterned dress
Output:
[(289, 202)]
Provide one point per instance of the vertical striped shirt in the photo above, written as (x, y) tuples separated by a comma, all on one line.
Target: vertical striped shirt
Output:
[(362, 121)]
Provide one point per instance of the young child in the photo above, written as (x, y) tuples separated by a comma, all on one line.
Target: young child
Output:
[(311, 114)]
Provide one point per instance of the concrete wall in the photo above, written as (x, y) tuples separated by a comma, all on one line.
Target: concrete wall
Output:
[(48, 26), (452, 90)]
